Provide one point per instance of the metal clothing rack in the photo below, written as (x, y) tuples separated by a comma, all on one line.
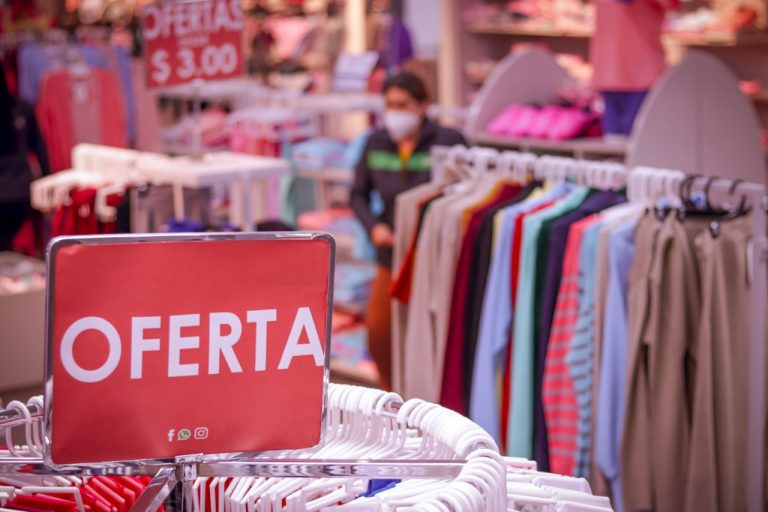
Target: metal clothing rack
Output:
[(559, 168), (185, 469)]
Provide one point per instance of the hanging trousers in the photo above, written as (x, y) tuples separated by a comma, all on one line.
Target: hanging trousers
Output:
[(663, 326), (717, 473), (380, 326)]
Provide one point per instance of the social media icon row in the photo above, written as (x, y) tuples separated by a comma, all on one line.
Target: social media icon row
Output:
[(185, 434)]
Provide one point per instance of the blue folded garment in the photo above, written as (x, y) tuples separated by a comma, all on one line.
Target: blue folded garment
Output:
[(319, 153)]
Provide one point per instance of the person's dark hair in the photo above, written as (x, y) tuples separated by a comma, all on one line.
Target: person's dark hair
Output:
[(332, 9), (410, 83)]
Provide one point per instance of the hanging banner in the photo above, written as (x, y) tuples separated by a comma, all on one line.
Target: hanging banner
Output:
[(161, 346), (191, 40)]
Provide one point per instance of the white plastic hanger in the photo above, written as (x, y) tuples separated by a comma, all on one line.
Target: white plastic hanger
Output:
[(508, 165)]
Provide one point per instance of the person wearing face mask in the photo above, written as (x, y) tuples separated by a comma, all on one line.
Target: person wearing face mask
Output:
[(396, 158)]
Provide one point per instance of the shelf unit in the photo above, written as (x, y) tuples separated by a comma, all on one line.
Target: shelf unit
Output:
[(578, 148), (525, 30), (672, 130), (745, 53), (678, 38)]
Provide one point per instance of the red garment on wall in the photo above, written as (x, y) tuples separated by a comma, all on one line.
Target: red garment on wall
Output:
[(451, 394), (76, 109)]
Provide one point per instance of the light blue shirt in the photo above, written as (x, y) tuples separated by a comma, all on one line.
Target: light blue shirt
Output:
[(580, 351), (613, 365), (520, 426), (496, 316)]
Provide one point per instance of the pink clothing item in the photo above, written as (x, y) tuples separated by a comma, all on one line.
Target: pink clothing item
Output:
[(288, 34), (543, 120), (147, 114), (521, 124), (626, 50), (320, 220), (500, 123), (76, 109), (569, 124)]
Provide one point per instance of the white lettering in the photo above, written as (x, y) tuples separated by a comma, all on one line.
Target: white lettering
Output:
[(237, 14), (192, 18), (261, 317), (140, 344), (167, 20), (68, 344), (221, 345), (177, 343), (225, 330), (302, 322), (220, 17), (180, 21), (161, 69), (152, 24), (195, 20)]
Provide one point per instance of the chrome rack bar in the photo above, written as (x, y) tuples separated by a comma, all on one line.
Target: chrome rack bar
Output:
[(12, 414), (330, 468), (284, 468), (158, 490)]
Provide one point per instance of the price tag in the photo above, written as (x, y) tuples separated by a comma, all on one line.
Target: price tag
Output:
[(185, 41), (168, 345)]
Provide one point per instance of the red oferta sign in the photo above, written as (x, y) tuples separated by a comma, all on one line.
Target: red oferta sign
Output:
[(167, 346), (188, 40)]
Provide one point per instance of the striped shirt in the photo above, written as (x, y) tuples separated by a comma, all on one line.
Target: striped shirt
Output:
[(561, 408), (580, 354), (559, 399)]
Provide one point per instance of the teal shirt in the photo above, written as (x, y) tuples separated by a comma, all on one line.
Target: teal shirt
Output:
[(520, 425)]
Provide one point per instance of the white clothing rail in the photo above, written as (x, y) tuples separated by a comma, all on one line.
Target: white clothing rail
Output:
[(241, 173), (472, 445)]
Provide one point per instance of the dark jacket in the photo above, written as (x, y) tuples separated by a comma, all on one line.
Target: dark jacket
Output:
[(380, 169)]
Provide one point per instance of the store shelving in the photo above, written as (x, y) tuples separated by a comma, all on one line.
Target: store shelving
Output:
[(578, 148), (526, 30), (585, 33), (479, 39)]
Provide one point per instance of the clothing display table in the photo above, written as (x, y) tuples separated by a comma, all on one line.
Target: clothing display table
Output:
[(246, 176), (327, 183)]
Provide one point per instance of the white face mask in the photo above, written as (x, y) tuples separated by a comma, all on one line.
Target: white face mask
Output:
[(401, 123)]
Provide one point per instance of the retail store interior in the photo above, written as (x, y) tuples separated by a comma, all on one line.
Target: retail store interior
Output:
[(548, 281)]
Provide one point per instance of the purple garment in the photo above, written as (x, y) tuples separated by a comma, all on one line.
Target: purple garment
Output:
[(621, 109), (400, 45), (124, 75), (558, 235), (36, 60)]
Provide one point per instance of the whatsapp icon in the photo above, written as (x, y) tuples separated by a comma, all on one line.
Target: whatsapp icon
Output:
[(184, 434)]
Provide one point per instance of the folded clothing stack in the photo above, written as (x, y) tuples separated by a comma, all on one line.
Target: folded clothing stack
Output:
[(351, 238), (319, 153), (553, 122), (325, 153), (352, 282), (212, 123)]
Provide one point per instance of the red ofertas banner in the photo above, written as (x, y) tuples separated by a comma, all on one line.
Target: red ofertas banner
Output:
[(188, 40), (165, 348)]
